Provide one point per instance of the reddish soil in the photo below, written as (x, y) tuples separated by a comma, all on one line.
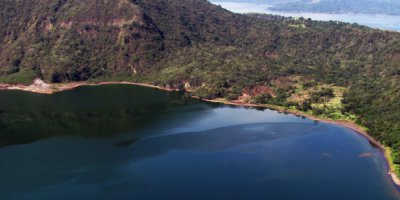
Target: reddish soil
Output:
[(257, 90)]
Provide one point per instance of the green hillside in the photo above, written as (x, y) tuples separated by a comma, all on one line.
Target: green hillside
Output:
[(329, 69)]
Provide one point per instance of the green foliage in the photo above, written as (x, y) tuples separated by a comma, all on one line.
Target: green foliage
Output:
[(232, 96), (320, 96), (218, 53), (305, 105), (208, 93), (23, 77), (263, 98), (378, 107), (309, 84)]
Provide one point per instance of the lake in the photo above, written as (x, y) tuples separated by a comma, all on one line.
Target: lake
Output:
[(130, 142), (379, 21)]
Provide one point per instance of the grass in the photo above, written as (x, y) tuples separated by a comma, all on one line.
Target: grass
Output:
[(390, 157), (25, 77), (333, 108)]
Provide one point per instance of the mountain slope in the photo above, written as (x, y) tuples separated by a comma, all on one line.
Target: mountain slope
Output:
[(76, 40), (79, 40), (196, 45)]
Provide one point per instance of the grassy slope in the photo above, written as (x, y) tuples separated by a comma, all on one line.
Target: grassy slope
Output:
[(23, 77)]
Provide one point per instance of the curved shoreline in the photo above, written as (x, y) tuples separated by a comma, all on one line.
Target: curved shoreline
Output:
[(343, 123), (40, 87)]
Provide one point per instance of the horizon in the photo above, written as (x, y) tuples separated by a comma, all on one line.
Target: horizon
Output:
[(378, 21)]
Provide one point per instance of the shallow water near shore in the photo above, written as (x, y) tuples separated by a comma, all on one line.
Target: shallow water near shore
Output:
[(131, 142)]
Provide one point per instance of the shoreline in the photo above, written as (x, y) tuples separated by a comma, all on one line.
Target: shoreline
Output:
[(41, 87), (386, 153)]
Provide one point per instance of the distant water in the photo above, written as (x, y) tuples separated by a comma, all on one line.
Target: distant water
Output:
[(128, 142), (384, 22)]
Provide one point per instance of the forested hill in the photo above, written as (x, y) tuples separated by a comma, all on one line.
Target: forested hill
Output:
[(196, 45)]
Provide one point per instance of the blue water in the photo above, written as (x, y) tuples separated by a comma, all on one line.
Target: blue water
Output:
[(186, 150), (379, 21)]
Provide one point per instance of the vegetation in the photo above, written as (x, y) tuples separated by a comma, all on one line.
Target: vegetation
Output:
[(329, 69), (24, 76)]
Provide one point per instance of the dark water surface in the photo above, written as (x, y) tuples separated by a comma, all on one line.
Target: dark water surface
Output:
[(129, 142)]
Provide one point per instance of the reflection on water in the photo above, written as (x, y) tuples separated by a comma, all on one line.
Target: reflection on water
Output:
[(147, 144), (221, 138), (84, 112)]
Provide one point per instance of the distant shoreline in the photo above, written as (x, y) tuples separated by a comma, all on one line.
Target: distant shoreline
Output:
[(41, 87), (384, 22)]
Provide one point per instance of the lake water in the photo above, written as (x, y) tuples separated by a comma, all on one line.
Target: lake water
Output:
[(130, 142), (384, 22)]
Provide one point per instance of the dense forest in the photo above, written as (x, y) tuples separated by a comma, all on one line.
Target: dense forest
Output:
[(330, 69)]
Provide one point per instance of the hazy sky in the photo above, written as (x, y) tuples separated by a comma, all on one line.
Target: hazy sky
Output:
[(384, 22)]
